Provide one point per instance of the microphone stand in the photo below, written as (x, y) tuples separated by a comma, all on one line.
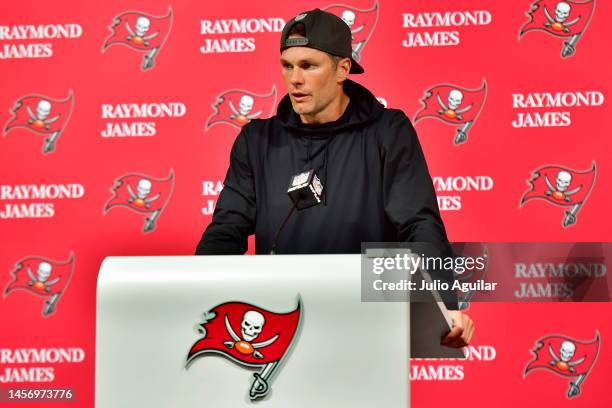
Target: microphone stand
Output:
[(280, 228)]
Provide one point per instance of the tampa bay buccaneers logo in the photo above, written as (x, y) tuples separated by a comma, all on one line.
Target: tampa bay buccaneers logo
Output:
[(566, 19), (249, 336), (141, 32), (361, 22), (566, 357), (453, 105), (142, 194), (238, 107), (561, 186), (42, 115), (42, 277)]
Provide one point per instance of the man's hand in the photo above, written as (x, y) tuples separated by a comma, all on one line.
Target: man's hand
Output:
[(462, 331)]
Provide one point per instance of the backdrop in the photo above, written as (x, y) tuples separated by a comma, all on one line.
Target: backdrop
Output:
[(118, 119)]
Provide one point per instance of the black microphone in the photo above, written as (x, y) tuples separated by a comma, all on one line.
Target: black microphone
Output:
[(305, 191)]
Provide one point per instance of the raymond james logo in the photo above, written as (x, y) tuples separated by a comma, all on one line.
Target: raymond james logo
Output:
[(237, 107), (41, 115), (446, 25), (42, 277), (564, 19), (147, 116), (449, 369), (558, 281), (141, 32), (142, 194), (566, 357), (32, 365), (250, 336), (453, 105), (360, 21), (34, 41), (458, 184), (245, 29), (559, 106), (211, 190), (561, 186), (43, 193)]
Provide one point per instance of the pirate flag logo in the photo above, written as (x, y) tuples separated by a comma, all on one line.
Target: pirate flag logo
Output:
[(565, 357), (249, 336), (141, 32), (142, 194), (561, 186), (453, 105), (43, 277), (361, 23), (238, 107), (565, 19), (42, 115)]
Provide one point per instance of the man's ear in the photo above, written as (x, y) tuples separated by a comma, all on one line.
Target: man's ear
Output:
[(344, 67)]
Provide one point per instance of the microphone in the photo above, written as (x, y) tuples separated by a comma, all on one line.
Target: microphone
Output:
[(305, 191)]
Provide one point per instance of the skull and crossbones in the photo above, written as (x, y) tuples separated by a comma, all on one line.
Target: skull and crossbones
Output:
[(560, 191), (242, 115), (39, 120), (250, 328), (450, 109), (137, 36), (559, 23), (143, 189), (40, 281), (566, 353), (349, 17)]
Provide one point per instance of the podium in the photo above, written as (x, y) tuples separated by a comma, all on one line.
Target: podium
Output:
[(179, 332)]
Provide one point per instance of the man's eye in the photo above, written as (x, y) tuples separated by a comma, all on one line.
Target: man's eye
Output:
[(306, 66)]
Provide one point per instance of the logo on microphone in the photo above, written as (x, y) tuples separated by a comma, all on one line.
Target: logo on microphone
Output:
[(561, 186), (141, 32), (42, 277), (565, 19), (566, 357), (238, 107), (453, 105), (249, 336), (42, 115)]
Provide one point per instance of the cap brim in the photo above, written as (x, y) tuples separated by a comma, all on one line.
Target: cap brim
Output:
[(356, 68)]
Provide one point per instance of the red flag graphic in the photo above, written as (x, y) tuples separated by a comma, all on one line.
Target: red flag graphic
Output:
[(560, 185), (246, 334), (141, 193), (41, 114), (237, 107), (140, 31), (561, 19), (452, 104), (564, 355), (41, 276), (360, 21)]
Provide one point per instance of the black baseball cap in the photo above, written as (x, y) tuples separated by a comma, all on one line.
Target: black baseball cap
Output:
[(324, 32)]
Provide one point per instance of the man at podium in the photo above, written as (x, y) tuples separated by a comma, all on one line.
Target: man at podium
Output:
[(353, 170)]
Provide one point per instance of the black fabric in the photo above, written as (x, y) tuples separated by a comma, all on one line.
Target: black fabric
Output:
[(377, 187)]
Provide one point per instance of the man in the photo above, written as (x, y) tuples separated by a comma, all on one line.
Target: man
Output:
[(376, 186)]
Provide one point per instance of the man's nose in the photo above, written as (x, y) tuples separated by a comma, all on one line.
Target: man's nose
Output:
[(297, 76)]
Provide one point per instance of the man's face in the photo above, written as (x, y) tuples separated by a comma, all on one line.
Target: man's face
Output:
[(312, 79)]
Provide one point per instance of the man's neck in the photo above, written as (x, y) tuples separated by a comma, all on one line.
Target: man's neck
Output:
[(331, 113)]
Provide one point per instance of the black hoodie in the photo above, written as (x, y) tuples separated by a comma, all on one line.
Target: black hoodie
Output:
[(377, 186)]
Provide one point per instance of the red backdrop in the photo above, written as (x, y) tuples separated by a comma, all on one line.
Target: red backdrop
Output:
[(90, 107)]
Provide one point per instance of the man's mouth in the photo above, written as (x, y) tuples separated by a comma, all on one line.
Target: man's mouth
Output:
[(299, 96)]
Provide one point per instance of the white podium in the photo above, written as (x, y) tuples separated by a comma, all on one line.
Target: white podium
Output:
[(152, 311)]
